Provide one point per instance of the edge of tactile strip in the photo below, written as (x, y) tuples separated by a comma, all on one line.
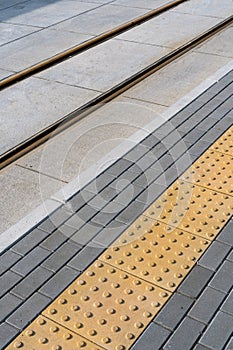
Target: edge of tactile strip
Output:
[(212, 170), (225, 143), (46, 334), (107, 306)]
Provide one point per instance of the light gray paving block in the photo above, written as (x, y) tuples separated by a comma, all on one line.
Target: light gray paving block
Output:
[(185, 335), (218, 331), (61, 256), (207, 305), (207, 123), (32, 282), (173, 311), (54, 241), (200, 347), (179, 148), (75, 221), (30, 261), (223, 278), (193, 135), (47, 225), (8, 304), (168, 126), (12, 32), (87, 212), (173, 137), (129, 214), (169, 176), (214, 255), (98, 202), (59, 282), (228, 304), (153, 338), (28, 311), (8, 259), (86, 233), (152, 140), (67, 230), (199, 147), (128, 194), (108, 193), (7, 333), (226, 235), (31, 240), (8, 280), (195, 281), (86, 256), (150, 194), (124, 180), (164, 162), (159, 149), (149, 176), (109, 233), (60, 216), (211, 135)]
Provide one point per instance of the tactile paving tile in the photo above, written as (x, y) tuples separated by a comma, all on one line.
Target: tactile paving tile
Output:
[(107, 306), (192, 208), (225, 143), (47, 335), (213, 170), (159, 254)]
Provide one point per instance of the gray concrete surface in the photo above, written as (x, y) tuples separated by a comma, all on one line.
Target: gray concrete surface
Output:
[(4, 73), (11, 32), (145, 4), (207, 8), (170, 29)]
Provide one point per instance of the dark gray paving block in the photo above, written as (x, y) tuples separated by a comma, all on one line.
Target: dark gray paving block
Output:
[(75, 221), (213, 103), (8, 259), (207, 305), (86, 233), (200, 347), (227, 79), (143, 163), (212, 135), (150, 194), (123, 180), (196, 104), (164, 162), (223, 278), (28, 311), (207, 123), (7, 333), (122, 164), (108, 194), (109, 233), (54, 241), (79, 200), (48, 226), (230, 256), (173, 137), (224, 124), (224, 94), (181, 117), (194, 135), (160, 149), (8, 280), (86, 256), (214, 255), (229, 345), (67, 230), (195, 281), (31, 240), (218, 331), (87, 212), (30, 261), (185, 335), (151, 140), (149, 175), (98, 202), (220, 112), (59, 282), (128, 194), (132, 156), (108, 213), (217, 87), (174, 311), (199, 147), (169, 176), (226, 235), (179, 148), (32, 282), (152, 339), (168, 126), (129, 214), (8, 304), (61, 256), (60, 216), (99, 183), (228, 304)]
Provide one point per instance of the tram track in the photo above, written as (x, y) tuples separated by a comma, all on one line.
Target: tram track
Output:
[(77, 49), (96, 103)]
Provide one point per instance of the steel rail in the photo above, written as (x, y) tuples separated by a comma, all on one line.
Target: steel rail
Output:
[(96, 103), (49, 62)]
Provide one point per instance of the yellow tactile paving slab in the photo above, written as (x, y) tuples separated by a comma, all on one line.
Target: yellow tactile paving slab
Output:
[(112, 302), (161, 255), (192, 208), (44, 334), (225, 143), (107, 306), (213, 170)]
